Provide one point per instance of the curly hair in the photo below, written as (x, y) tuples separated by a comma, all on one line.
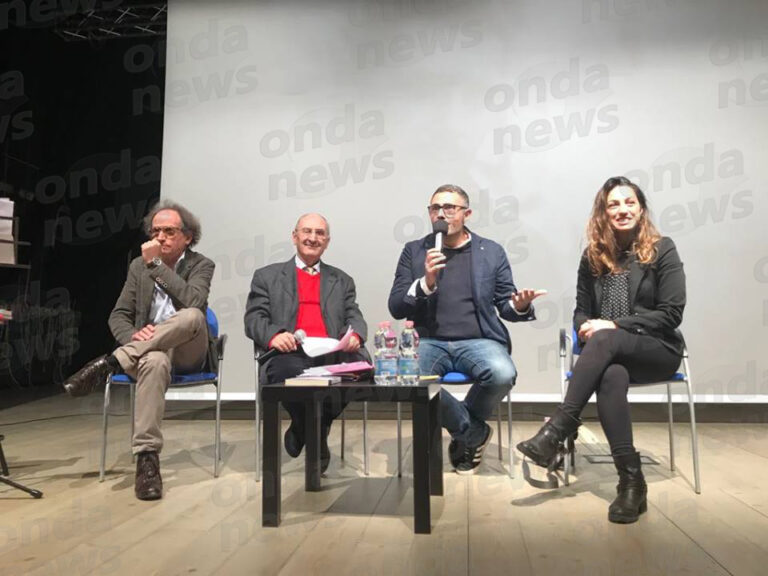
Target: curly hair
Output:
[(190, 225), (602, 249)]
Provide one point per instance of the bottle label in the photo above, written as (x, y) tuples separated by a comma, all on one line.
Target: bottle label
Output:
[(386, 366), (409, 366)]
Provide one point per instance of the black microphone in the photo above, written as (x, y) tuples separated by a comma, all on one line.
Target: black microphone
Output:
[(299, 335), (439, 227)]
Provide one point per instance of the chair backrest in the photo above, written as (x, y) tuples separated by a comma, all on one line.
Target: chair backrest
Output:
[(213, 323)]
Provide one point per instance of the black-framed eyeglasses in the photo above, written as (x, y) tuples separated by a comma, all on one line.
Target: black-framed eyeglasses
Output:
[(168, 231), (448, 209)]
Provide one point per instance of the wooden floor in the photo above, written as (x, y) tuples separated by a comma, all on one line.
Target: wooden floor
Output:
[(485, 524)]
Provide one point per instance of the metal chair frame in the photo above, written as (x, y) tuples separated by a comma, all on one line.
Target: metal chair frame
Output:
[(180, 381), (569, 350), (453, 378)]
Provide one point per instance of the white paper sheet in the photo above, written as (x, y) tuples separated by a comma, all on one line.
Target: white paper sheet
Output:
[(314, 346)]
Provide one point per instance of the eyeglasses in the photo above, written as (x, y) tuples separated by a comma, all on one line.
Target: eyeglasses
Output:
[(448, 209), (168, 231)]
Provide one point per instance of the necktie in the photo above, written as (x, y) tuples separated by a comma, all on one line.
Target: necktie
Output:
[(310, 270)]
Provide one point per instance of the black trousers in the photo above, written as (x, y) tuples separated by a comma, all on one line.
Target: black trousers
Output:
[(288, 365), (610, 361)]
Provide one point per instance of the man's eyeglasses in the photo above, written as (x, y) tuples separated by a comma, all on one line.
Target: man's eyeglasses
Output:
[(448, 209), (168, 231)]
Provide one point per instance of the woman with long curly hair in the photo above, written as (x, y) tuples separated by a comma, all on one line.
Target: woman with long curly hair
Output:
[(629, 301)]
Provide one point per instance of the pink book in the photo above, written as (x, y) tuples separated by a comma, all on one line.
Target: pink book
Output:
[(348, 367)]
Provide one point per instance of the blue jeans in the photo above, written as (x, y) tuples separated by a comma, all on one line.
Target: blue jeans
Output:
[(488, 365)]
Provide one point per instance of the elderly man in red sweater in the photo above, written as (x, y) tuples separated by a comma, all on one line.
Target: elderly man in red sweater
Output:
[(305, 294)]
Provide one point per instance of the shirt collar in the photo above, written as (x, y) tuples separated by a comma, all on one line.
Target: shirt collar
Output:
[(301, 266)]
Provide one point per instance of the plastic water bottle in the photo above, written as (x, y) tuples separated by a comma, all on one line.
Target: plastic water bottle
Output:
[(408, 361), (385, 355)]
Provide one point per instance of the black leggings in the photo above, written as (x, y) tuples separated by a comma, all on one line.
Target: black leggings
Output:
[(609, 361)]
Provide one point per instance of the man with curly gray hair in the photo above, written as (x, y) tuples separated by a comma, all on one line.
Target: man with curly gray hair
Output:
[(159, 322)]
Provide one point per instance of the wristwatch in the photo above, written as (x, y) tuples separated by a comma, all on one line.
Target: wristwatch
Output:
[(154, 263)]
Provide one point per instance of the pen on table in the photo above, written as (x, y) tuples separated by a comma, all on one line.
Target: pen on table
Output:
[(429, 377)]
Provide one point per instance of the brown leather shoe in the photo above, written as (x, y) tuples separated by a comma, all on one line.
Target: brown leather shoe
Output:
[(149, 484), (88, 378)]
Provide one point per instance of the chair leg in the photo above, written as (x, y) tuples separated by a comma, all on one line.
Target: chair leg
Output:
[(366, 456), (257, 419), (694, 434), (217, 430), (509, 437), (343, 433), (671, 429), (498, 428), (103, 459), (399, 441), (132, 389)]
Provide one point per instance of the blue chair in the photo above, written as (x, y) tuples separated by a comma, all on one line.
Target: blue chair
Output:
[(461, 378), (568, 356), (177, 381)]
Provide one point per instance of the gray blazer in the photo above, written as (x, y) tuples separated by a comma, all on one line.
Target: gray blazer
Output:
[(273, 303), (188, 287)]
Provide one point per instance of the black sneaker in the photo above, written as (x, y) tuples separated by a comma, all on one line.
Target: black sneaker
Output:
[(456, 452), (473, 454)]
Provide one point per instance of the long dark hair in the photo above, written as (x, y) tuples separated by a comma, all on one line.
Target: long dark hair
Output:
[(603, 250)]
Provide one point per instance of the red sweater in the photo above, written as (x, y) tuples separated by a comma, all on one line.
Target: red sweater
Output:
[(310, 316)]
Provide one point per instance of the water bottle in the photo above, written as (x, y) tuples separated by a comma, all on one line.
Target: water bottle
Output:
[(385, 355), (408, 361)]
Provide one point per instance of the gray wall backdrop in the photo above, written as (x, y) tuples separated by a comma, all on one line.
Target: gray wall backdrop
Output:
[(359, 109)]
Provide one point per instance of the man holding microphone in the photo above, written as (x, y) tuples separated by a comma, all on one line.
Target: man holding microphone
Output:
[(455, 285)]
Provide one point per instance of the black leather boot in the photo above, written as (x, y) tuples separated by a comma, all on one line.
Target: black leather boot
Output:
[(149, 483), (631, 491), (547, 445)]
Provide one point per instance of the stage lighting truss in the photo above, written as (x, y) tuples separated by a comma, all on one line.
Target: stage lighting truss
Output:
[(127, 20)]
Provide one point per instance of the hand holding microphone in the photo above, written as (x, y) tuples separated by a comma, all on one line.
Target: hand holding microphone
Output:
[(283, 343), (435, 260)]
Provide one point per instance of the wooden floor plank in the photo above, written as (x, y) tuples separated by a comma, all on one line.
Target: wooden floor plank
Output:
[(483, 524)]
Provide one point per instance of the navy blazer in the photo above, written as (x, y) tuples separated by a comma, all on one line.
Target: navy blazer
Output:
[(492, 288), (656, 296)]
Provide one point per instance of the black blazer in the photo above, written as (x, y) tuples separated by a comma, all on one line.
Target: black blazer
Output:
[(656, 296)]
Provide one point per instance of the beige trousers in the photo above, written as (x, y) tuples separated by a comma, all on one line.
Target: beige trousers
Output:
[(180, 344)]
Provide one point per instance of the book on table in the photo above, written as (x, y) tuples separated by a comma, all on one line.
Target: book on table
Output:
[(305, 380)]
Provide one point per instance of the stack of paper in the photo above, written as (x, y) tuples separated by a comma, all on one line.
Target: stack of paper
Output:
[(7, 247), (344, 369)]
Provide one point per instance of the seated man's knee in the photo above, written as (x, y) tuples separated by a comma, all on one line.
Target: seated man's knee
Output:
[(192, 317), (155, 361), (500, 371)]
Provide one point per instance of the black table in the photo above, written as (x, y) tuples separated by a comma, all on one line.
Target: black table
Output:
[(427, 441)]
